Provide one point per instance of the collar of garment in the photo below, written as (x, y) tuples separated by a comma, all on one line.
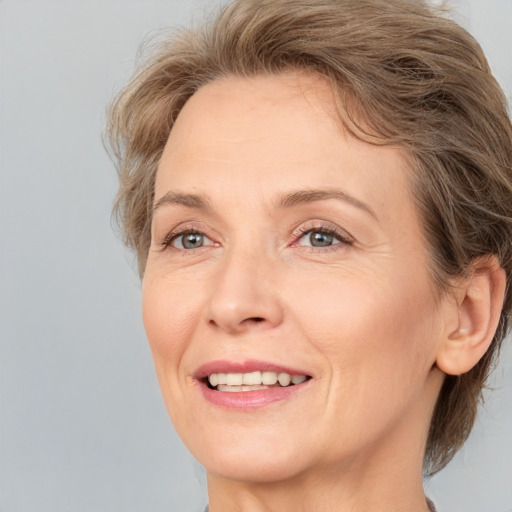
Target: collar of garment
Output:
[(431, 506)]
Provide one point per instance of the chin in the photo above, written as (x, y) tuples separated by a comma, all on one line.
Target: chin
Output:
[(245, 467), (259, 457)]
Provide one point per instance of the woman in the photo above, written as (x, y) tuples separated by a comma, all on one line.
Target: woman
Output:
[(319, 193)]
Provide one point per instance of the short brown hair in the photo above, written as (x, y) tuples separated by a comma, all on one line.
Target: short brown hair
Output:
[(404, 75)]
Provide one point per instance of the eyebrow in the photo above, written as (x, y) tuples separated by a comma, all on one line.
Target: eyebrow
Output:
[(201, 202), (195, 201), (310, 195)]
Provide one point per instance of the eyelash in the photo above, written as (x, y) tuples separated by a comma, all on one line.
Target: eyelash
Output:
[(343, 238), (173, 235)]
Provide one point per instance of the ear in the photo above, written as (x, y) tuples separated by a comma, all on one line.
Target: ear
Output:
[(478, 301)]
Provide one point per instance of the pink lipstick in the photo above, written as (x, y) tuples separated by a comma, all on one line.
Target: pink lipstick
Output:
[(249, 384)]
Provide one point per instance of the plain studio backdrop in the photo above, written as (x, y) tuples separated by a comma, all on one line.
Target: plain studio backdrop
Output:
[(82, 425)]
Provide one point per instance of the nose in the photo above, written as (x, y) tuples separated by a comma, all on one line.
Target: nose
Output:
[(244, 294)]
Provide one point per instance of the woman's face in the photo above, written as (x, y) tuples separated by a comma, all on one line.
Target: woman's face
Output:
[(283, 245)]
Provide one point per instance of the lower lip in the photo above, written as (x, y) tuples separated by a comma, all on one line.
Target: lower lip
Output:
[(250, 399)]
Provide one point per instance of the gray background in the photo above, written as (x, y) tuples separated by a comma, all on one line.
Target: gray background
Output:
[(82, 426)]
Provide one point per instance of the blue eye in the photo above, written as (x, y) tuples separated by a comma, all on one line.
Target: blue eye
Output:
[(320, 238), (190, 240)]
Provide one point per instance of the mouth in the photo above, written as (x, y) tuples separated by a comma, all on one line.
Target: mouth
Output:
[(249, 384), (252, 381)]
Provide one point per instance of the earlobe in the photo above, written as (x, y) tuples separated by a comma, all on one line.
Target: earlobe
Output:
[(479, 301)]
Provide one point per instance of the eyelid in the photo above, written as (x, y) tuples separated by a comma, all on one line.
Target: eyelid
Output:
[(321, 226), (206, 241), (316, 225), (345, 239), (182, 230)]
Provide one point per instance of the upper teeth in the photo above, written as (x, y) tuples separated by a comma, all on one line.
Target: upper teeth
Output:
[(254, 379)]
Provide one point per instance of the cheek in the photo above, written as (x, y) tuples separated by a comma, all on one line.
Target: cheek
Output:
[(362, 320), (169, 318), (378, 341)]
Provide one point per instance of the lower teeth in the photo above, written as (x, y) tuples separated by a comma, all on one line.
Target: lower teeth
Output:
[(237, 389)]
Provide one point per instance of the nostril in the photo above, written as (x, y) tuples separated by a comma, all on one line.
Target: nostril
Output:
[(247, 322)]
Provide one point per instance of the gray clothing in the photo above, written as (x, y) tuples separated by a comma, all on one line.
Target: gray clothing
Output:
[(430, 505)]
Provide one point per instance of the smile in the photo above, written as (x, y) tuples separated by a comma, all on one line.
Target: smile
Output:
[(249, 384), (252, 381)]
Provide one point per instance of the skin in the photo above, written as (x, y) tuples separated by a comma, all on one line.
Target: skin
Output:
[(360, 316)]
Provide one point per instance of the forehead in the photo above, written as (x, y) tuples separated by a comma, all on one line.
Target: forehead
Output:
[(228, 116), (239, 134)]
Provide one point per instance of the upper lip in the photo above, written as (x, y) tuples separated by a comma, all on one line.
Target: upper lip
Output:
[(244, 367)]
